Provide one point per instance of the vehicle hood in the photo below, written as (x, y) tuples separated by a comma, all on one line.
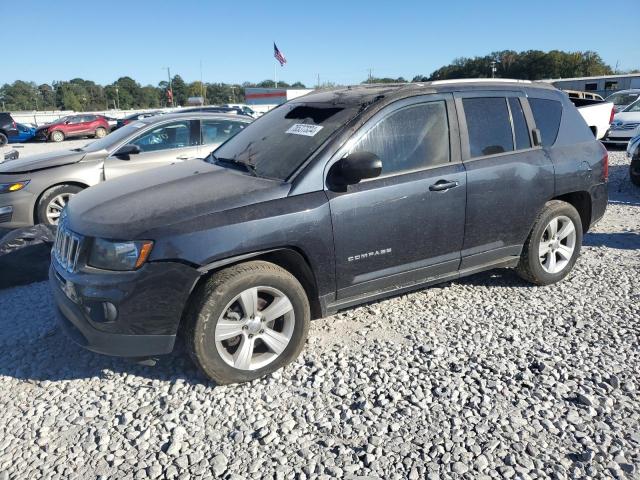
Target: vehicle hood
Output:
[(48, 125), (42, 161), (140, 205)]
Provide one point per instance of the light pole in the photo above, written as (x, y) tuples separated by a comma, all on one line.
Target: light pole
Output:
[(493, 68), (117, 98)]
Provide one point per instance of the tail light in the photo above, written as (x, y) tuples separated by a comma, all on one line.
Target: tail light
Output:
[(605, 166), (613, 112), (14, 124)]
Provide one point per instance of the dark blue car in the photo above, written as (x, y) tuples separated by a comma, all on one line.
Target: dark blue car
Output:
[(25, 133)]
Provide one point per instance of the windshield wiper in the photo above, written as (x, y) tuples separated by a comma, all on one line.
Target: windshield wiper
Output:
[(232, 161)]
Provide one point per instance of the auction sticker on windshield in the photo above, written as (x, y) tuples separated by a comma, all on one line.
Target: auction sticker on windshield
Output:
[(304, 129)]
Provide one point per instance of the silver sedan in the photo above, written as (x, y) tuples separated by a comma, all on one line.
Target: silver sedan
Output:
[(35, 189)]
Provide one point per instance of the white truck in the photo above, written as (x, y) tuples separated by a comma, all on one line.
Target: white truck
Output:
[(597, 113)]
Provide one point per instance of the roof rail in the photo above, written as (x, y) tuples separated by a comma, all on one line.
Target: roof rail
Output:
[(473, 80)]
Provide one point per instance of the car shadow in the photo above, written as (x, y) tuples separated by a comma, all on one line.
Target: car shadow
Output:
[(620, 240), (34, 348)]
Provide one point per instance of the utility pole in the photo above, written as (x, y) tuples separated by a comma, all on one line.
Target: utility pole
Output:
[(370, 80), (201, 84), (170, 84), (318, 84)]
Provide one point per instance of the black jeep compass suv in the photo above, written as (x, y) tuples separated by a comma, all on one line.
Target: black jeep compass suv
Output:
[(334, 199)]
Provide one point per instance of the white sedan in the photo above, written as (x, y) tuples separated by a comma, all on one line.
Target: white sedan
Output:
[(625, 125)]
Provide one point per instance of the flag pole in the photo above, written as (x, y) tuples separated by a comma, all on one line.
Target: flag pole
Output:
[(275, 73)]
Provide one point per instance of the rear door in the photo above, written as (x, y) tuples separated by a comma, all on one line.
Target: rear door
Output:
[(163, 144), (408, 224), (509, 179)]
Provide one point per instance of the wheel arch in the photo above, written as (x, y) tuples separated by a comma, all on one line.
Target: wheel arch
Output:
[(289, 258), (581, 201), (45, 190)]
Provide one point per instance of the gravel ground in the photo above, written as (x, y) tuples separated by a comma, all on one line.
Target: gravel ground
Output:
[(486, 377)]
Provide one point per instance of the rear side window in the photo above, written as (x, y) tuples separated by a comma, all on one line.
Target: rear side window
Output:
[(520, 129), (488, 125), (411, 138), (547, 114)]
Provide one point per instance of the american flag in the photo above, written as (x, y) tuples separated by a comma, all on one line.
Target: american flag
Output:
[(279, 56)]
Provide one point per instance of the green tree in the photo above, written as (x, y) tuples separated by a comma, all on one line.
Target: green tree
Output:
[(180, 91)]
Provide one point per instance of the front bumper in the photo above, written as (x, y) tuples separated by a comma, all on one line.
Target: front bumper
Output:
[(21, 205), (148, 306), (618, 136)]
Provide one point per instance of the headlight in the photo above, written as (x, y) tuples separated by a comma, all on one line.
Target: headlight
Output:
[(13, 187), (120, 256)]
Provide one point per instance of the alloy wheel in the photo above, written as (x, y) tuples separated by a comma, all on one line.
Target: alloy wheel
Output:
[(255, 328), (557, 244), (55, 207)]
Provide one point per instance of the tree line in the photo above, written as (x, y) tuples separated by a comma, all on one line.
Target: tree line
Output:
[(125, 93)]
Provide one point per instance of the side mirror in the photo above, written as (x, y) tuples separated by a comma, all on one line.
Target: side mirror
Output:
[(355, 167), (537, 137), (127, 150)]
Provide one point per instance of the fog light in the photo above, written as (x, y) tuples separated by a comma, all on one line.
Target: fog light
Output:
[(110, 312)]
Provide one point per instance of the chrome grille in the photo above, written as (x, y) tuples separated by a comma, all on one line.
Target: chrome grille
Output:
[(66, 248)]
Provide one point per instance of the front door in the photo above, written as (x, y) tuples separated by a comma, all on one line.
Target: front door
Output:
[(407, 225), (161, 145)]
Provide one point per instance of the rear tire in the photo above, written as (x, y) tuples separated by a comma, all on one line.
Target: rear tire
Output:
[(232, 313), (553, 246), (3, 139), (100, 132), (634, 172), (56, 136), (53, 201)]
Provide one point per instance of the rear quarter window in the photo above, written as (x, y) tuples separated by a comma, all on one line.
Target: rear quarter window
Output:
[(547, 114)]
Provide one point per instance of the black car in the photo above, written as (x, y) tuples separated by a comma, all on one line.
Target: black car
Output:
[(8, 128), (121, 122), (213, 109), (335, 199)]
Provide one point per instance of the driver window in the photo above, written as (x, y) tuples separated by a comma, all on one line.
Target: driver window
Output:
[(408, 139), (164, 137)]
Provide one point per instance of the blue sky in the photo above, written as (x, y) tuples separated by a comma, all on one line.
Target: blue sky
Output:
[(102, 41)]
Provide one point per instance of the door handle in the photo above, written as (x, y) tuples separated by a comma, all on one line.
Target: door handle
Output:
[(442, 185), (182, 157)]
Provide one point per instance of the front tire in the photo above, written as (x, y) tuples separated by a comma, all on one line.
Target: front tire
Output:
[(53, 201), (56, 136), (100, 132), (247, 321), (553, 246)]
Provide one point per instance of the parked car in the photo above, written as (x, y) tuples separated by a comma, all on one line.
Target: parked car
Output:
[(135, 117), (25, 133), (112, 122), (6, 155), (585, 95), (37, 188), (597, 113), (245, 109), (82, 125), (625, 125), (8, 128), (332, 200), (633, 152), (623, 98), (214, 109)]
